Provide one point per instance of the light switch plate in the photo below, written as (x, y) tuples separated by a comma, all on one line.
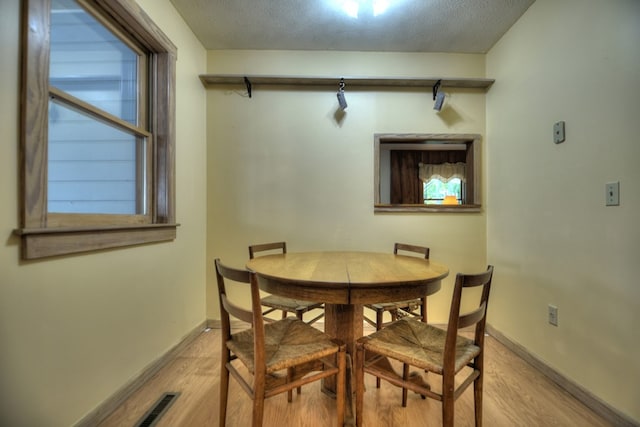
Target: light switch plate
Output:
[(558, 132), (553, 315), (613, 193)]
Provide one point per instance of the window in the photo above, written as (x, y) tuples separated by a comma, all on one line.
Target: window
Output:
[(97, 128), (98, 145), (428, 173), (438, 192)]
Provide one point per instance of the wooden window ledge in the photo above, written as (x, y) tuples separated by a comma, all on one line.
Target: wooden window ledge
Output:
[(48, 242), (428, 208)]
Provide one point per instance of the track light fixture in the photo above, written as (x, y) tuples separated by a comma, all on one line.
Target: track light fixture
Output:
[(342, 101), (438, 96)]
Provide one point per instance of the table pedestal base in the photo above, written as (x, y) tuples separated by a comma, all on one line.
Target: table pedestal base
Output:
[(344, 322)]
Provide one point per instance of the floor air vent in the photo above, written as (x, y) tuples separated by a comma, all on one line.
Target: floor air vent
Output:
[(159, 408)]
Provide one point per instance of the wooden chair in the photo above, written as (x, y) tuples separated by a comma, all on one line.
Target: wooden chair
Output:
[(429, 348), (286, 305), (279, 356), (415, 307)]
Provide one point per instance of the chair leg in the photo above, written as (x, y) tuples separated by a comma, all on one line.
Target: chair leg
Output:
[(258, 404), (379, 323), (423, 309), (341, 386), (290, 373), (299, 315), (359, 371), (477, 393), (224, 391), (477, 398), (379, 319), (405, 377), (423, 313), (448, 387), (258, 412)]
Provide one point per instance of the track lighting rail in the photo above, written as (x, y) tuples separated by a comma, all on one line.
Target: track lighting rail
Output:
[(212, 80)]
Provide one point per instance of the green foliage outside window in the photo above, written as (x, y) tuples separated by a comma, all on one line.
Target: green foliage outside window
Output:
[(434, 191)]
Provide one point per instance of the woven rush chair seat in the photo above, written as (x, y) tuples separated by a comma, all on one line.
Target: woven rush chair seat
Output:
[(288, 342), (419, 344), (284, 304)]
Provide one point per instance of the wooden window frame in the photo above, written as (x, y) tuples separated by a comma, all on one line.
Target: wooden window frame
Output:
[(41, 234), (473, 178)]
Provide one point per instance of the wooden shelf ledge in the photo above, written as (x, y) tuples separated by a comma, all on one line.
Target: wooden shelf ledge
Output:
[(212, 80)]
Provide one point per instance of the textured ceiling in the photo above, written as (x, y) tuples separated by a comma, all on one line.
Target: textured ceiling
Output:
[(463, 26)]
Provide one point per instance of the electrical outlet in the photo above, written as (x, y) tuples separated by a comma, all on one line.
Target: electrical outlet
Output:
[(553, 315)]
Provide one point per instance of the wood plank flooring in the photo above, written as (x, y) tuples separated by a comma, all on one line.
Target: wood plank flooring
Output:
[(515, 394)]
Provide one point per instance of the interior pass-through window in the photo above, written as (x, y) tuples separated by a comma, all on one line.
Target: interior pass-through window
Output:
[(427, 172)]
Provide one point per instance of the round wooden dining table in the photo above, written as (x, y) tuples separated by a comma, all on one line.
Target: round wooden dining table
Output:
[(345, 280)]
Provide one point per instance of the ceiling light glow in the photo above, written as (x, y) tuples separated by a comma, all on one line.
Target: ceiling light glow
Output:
[(350, 7), (354, 8), (380, 7)]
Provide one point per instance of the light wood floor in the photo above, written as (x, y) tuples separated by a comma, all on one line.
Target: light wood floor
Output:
[(515, 394)]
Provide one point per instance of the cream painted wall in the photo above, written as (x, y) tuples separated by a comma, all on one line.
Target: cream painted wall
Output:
[(284, 165), (73, 330), (550, 236)]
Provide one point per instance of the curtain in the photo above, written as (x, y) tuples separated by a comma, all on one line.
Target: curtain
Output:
[(444, 171), (406, 182), (406, 187)]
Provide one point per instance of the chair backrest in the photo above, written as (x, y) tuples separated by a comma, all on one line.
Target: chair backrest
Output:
[(229, 308), (477, 316), (281, 247), (422, 250)]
